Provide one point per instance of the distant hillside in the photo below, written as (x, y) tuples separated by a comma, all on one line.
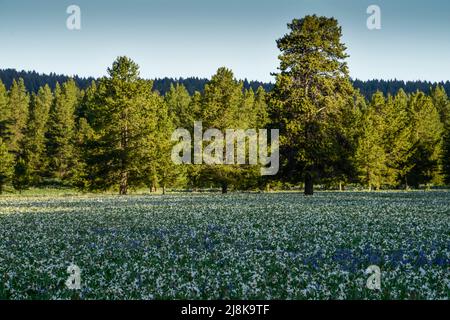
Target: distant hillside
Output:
[(34, 80), (197, 84), (369, 87)]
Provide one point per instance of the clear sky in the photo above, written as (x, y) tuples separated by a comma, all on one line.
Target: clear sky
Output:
[(194, 37)]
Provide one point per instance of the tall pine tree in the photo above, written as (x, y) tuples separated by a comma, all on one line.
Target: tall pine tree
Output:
[(35, 143), (124, 123), (61, 131), (371, 154), (313, 84), (427, 136), (16, 116)]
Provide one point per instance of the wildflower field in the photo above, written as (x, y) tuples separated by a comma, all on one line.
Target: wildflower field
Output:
[(237, 246)]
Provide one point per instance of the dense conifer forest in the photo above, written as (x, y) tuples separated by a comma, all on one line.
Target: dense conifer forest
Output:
[(114, 133)]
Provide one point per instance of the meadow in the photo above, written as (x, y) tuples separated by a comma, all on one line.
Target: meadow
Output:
[(234, 246)]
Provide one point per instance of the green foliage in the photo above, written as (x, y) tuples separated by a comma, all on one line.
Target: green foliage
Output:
[(84, 134), (6, 165), (397, 141), (116, 133), (33, 81), (260, 108), (178, 102), (4, 109), (401, 142), (442, 104), (225, 105), (446, 157), (35, 143), (427, 136), (370, 154), (16, 117), (123, 113), (61, 131), (161, 170), (310, 91), (21, 178), (386, 144)]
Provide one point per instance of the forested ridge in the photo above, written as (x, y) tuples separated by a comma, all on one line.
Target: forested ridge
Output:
[(114, 133), (33, 81)]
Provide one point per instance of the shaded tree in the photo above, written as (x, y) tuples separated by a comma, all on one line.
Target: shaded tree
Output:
[(21, 178), (6, 165)]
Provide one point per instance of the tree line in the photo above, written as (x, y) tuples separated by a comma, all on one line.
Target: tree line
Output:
[(33, 81), (115, 134)]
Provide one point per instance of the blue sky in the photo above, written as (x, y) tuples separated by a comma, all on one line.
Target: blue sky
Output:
[(194, 37)]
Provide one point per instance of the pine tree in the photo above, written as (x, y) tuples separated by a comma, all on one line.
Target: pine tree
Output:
[(179, 101), (16, 117), (442, 104), (260, 108), (83, 135), (427, 136), (6, 165), (225, 106), (313, 84), (346, 126), (397, 140), (247, 116), (61, 131), (370, 154), (193, 171), (124, 123), (161, 170), (34, 145), (4, 110), (446, 157)]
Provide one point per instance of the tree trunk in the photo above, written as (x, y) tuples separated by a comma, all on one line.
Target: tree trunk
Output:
[(164, 189), (224, 187), (340, 186), (309, 184), (1, 188), (123, 189)]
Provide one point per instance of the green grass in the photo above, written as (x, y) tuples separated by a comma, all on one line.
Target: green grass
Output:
[(237, 246)]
